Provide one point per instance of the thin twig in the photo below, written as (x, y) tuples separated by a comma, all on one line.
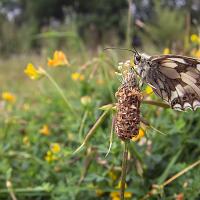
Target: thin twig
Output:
[(180, 173), (10, 190), (157, 188), (124, 168)]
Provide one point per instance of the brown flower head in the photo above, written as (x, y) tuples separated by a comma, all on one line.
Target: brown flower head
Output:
[(128, 107)]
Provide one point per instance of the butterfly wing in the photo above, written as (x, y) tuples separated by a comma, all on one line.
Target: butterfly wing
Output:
[(176, 79)]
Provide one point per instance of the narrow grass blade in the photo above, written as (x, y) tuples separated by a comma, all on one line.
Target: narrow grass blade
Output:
[(111, 137), (92, 131)]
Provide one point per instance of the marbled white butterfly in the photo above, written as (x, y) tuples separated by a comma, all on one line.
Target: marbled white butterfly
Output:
[(175, 78)]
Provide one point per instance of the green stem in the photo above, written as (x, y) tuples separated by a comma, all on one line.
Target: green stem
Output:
[(111, 137), (167, 171), (92, 131), (60, 91), (124, 167), (82, 123), (108, 82), (156, 103), (129, 22)]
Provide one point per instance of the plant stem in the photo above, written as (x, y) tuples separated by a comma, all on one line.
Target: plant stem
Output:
[(92, 131), (82, 123), (124, 167), (129, 21), (111, 138), (180, 173), (60, 91), (159, 187), (108, 82), (156, 103)]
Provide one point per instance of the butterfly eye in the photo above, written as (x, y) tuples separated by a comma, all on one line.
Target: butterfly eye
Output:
[(137, 59)]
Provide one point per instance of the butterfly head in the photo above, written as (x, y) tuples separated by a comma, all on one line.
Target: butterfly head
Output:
[(137, 58), (141, 63)]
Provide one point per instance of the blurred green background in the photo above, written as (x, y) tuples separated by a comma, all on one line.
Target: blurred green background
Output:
[(38, 134)]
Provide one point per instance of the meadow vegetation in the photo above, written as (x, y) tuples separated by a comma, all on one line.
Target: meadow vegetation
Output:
[(52, 95)]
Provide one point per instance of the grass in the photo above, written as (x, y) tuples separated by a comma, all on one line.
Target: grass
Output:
[(24, 149)]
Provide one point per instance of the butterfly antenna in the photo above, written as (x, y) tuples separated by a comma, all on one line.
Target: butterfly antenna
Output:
[(135, 50), (123, 49)]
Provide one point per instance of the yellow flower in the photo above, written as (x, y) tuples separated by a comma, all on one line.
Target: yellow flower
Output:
[(86, 100), (148, 90), (77, 76), (26, 107), (99, 192), (139, 136), (55, 148), (49, 157), (112, 175), (166, 51), (45, 130), (119, 185), (32, 72), (59, 59), (116, 195), (26, 140), (127, 195), (9, 97), (100, 81), (195, 53), (195, 38)]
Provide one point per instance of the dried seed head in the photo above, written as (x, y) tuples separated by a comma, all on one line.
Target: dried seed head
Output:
[(128, 108)]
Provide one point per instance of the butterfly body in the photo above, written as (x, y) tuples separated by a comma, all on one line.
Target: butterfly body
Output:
[(175, 78)]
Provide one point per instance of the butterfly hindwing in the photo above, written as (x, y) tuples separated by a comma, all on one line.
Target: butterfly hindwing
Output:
[(176, 79)]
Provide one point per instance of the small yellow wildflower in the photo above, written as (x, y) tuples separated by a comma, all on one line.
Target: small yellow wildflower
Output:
[(49, 157), (100, 81), (55, 148), (45, 130), (32, 72), (166, 51), (195, 53), (59, 59), (119, 185), (77, 76), (139, 136), (86, 100), (26, 107), (26, 140), (195, 38), (148, 90), (99, 192), (112, 175), (9, 97), (116, 195)]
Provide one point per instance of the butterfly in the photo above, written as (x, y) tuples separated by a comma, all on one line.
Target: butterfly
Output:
[(174, 78)]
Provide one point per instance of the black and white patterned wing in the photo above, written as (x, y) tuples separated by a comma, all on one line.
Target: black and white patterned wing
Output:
[(176, 79)]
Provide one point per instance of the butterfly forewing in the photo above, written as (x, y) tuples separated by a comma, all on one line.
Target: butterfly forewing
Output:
[(176, 79)]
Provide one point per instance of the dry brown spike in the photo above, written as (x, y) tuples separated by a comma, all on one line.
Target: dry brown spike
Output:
[(129, 98)]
